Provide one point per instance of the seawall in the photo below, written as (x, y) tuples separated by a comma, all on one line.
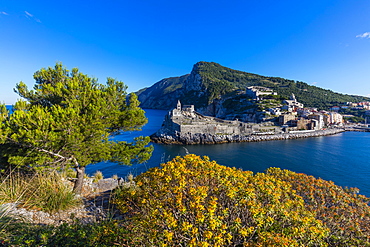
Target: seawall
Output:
[(199, 138)]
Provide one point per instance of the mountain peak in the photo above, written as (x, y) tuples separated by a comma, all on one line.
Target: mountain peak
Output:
[(209, 82)]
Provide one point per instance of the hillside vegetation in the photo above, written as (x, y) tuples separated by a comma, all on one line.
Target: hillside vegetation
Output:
[(209, 81), (193, 201)]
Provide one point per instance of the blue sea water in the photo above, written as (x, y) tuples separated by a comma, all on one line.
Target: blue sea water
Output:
[(343, 158)]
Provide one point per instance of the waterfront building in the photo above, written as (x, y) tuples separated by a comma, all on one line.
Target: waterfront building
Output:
[(335, 118), (319, 120), (305, 124), (287, 119)]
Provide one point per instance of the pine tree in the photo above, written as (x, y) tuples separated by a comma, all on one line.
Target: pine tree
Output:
[(67, 120)]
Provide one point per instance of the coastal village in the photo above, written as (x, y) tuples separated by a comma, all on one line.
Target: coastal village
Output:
[(184, 124)]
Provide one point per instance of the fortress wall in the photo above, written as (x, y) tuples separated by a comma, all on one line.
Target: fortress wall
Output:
[(196, 128), (212, 129), (199, 124), (170, 125)]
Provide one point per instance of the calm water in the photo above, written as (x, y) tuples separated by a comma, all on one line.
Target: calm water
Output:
[(342, 158)]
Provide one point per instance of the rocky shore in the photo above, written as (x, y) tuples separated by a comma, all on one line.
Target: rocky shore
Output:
[(203, 138)]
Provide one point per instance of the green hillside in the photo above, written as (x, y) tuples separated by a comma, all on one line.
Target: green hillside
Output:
[(209, 81), (221, 80)]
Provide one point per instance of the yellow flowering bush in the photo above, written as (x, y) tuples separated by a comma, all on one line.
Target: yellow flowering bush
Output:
[(192, 201), (345, 212)]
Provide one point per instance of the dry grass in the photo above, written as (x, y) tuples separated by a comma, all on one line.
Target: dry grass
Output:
[(48, 192), (98, 176)]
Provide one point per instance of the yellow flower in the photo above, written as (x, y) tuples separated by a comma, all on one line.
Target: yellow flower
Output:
[(203, 244), (238, 220), (186, 226), (208, 234), (212, 224), (193, 242), (200, 218)]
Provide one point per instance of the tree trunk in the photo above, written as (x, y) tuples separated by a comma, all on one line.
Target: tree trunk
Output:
[(80, 172)]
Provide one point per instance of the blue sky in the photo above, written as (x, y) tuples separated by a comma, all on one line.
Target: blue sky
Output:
[(324, 43)]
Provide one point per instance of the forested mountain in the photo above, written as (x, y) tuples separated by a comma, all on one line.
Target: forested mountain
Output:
[(210, 82)]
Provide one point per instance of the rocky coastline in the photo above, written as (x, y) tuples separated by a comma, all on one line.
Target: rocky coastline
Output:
[(204, 138)]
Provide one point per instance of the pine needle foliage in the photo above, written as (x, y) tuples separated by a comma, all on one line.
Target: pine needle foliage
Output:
[(67, 120)]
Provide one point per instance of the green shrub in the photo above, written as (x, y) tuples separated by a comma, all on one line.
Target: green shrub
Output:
[(106, 233)]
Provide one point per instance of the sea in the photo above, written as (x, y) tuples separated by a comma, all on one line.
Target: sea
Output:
[(342, 158)]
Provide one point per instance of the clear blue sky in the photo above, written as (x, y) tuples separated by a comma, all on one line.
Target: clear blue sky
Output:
[(322, 42)]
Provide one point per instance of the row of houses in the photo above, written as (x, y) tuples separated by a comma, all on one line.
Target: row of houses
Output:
[(294, 114), (313, 121), (354, 106)]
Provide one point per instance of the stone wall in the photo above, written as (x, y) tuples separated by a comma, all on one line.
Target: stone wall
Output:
[(214, 129), (206, 138)]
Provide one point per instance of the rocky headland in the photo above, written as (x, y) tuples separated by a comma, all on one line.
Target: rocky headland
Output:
[(183, 125)]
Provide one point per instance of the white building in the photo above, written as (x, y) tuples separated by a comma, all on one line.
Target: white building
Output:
[(275, 111), (318, 119), (181, 110), (292, 102), (335, 118), (255, 91)]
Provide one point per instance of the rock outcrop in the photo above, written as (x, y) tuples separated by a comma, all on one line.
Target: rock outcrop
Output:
[(165, 93)]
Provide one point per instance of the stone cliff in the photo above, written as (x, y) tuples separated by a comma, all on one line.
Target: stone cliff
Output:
[(165, 93)]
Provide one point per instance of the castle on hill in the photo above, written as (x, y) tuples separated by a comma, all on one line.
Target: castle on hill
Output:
[(181, 110)]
